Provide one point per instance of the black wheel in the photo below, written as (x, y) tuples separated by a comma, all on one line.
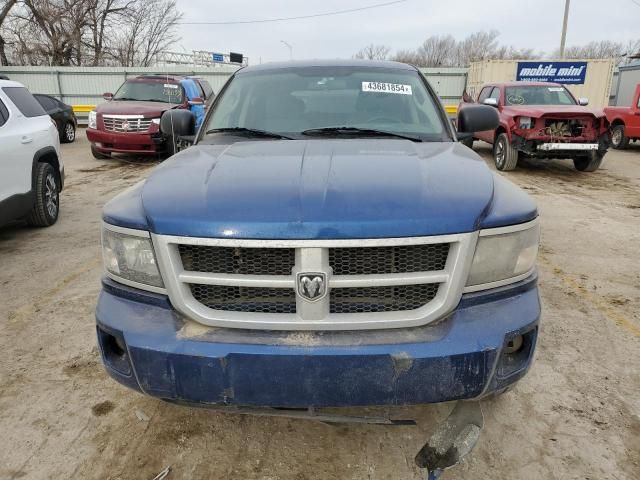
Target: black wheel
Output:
[(590, 163), (618, 139), (47, 189), (505, 156), (99, 155), (467, 142), (68, 133)]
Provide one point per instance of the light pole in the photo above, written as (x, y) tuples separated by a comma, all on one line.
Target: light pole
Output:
[(563, 38), (290, 47)]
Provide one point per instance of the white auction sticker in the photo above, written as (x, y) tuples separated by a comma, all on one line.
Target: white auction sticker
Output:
[(556, 89), (170, 85), (381, 87)]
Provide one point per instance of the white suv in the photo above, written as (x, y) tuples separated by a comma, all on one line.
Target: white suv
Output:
[(31, 170)]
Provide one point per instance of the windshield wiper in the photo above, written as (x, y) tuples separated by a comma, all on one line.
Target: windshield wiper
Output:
[(249, 132), (357, 131)]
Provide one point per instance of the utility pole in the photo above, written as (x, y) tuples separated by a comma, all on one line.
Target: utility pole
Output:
[(290, 47), (563, 38)]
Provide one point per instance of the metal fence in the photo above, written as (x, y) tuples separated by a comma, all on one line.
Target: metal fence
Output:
[(84, 86)]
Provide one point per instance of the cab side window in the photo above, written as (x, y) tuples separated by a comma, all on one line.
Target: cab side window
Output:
[(4, 114), (484, 94), (495, 94)]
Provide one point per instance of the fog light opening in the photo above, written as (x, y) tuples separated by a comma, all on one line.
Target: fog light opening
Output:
[(116, 346), (514, 345), (114, 351)]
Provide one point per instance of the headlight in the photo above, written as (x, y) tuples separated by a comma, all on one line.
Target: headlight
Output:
[(93, 119), (525, 122), (504, 255), (129, 258), (155, 121)]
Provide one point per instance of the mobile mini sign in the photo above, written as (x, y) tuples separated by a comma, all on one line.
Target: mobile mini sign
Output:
[(573, 73)]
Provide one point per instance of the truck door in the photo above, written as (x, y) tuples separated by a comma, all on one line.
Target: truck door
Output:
[(633, 123), (493, 92)]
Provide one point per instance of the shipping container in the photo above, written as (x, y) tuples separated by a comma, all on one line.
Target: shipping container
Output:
[(597, 77), (628, 78)]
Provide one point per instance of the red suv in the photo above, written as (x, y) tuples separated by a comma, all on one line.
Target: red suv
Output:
[(130, 121)]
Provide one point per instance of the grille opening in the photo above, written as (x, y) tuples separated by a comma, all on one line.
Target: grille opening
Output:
[(240, 261), (382, 299), (245, 299), (384, 260)]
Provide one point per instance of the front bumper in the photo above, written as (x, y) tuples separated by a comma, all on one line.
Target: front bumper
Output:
[(554, 147), (133, 143), (548, 148), (147, 346)]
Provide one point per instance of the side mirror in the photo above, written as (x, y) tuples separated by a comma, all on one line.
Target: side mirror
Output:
[(196, 101), (178, 123), (107, 96), (477, 118), (492, 102), (584, 101)]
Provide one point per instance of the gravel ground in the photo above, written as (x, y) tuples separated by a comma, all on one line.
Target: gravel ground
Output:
[(575, 416)]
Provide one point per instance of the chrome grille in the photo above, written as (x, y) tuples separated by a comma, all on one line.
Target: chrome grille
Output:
[(382, 260), (125, 124), (358, 284), (245, 299), (382, 299), (239, 261)]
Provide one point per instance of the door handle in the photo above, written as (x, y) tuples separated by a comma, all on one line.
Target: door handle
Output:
[(26, 139)]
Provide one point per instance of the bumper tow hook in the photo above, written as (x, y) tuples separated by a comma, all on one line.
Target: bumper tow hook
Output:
[(452, 440)]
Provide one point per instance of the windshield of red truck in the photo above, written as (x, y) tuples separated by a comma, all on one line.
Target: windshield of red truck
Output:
[(150, 92), (538, 95), (294, 100)]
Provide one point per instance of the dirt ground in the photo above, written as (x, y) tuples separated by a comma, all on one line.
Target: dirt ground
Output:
[(575, 416)]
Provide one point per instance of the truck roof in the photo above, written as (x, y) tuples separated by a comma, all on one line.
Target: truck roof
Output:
[(328, 63)]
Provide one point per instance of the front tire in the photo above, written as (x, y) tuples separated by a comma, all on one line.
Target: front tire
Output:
[(590, 163), (98, 155), (47, 189), (68, 133), (504, 154), (618, 139)]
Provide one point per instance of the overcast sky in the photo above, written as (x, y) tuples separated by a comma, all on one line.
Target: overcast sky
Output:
[(525, 24)]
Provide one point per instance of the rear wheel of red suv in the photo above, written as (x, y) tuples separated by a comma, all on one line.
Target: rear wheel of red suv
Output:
[(505, 156)]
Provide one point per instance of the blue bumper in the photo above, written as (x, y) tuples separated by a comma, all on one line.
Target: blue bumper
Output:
[(147, 346)]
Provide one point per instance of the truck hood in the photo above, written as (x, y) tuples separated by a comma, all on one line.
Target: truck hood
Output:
[(127, 107), (317, 189), (556, 111)]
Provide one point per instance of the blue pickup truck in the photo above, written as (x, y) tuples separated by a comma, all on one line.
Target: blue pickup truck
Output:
[(326, 241)]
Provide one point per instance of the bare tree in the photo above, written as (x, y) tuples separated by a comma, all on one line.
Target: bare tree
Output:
[(406, 56), (373, 52), (437, 51), (477, 46), (5, 8), (90, 32), (602, 49), (104, 17), (446, 51)]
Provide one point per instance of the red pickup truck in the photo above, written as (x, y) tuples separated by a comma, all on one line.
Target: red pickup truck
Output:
[(625, 122), (542, 120)]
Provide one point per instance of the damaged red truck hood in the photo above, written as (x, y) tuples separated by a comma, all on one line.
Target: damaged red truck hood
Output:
[(556, 111)]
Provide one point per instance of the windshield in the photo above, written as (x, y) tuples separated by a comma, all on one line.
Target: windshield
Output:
[(538, 95), (294, 100), (150, 92)]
